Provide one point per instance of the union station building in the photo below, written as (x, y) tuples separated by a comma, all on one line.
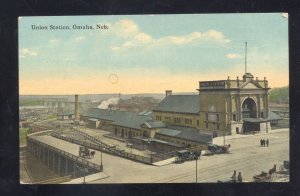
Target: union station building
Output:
[(223, 107)]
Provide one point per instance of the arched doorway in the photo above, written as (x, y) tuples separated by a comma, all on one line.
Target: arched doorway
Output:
[(249, 108)]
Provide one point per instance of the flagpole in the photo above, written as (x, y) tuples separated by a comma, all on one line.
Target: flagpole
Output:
[(245, 57)]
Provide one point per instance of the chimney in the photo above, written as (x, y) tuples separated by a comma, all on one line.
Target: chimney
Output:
[(76, 108), (168, 92)]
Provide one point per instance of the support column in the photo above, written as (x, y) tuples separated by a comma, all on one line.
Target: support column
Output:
[(58, 166), (44, 156), (48, 158), (74, 169), (53, 161), (66, 166)]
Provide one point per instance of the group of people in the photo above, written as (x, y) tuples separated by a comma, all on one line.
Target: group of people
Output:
[(264, 142), (235, 178)]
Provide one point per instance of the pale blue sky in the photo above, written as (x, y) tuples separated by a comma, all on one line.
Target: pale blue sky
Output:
[(149, 53)]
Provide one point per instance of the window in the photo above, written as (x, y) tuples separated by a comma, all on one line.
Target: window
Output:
[(218, 126), (188, 121), (177, 120), (158, 117), (197, 122), (167, 118), (262, 114), (218, 117), (234, 117), (206, 125)]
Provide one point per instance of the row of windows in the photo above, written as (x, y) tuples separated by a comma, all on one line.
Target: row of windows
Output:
[(127, 133), (177, 120), (158, 117), (187, 121)]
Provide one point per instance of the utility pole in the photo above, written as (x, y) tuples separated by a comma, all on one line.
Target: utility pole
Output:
[(101, 166), (224, 137), (84, 162), (196, 169)]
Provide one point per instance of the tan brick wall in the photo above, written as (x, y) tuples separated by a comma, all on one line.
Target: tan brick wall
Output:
[(214, 103)]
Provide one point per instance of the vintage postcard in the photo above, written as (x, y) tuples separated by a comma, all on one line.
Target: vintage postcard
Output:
[(179, 98)]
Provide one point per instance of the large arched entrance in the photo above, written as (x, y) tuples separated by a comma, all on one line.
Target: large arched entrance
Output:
[(249, 108)]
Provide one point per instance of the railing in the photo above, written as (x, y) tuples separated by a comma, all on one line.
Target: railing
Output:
[(100, 146), (160, 157), (68, 155)]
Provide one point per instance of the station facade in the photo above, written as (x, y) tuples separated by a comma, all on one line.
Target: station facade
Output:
[(222, 107)]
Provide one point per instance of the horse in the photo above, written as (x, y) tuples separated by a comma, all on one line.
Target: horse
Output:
[(92, 153), (273, 171)]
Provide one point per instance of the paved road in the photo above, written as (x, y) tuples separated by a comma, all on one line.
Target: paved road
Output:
[(245, 155)]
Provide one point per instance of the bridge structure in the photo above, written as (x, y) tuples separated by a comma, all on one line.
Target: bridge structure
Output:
[(60, 161), (58, 102)]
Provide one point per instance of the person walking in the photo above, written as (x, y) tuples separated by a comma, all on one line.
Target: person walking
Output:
[(261, 142), (267, 142), (233, 177), (240, 179)]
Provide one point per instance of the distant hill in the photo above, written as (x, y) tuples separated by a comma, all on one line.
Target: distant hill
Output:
[(279, 95)]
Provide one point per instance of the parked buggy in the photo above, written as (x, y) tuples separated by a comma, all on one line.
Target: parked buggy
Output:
[(187, 155), (285, 166), (262, 177)]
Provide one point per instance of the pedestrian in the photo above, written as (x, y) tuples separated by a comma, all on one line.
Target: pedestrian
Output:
[(267, 142), (233, 177), (261, 142), (240, 179)]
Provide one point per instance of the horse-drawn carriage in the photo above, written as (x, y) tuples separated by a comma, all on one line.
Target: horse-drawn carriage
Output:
[(85, 152), (262, 177)]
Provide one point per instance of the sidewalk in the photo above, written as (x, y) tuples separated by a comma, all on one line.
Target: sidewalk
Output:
[(219, 140), (164, 162)]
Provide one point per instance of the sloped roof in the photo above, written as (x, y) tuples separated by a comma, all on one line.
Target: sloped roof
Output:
[(155, 124), (187, 133), (272, 116), (180, 103), (120, 118)]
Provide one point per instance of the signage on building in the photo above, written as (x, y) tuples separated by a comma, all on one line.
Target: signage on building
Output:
[(213, 84)]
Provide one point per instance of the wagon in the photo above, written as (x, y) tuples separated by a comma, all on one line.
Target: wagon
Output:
[(262, 177), (285, 166)]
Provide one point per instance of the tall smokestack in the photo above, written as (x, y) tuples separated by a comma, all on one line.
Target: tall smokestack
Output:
[(168, 92), (76, 108)]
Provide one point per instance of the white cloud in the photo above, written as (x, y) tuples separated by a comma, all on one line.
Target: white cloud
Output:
[(80, 38), (232, 56), (24, 52), (53, 41), (129, 30)]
